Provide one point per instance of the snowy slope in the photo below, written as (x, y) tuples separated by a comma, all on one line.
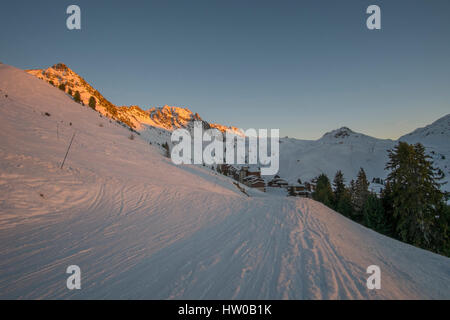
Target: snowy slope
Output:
[(163, 119), (60, 74), (140, 227), (345, 150), (341, 149)]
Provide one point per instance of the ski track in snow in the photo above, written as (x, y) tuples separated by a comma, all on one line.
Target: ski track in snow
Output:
[(140, 227)]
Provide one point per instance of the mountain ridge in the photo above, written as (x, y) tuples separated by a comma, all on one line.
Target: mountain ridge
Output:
[(339, 149), (165, 117), (61, 73)]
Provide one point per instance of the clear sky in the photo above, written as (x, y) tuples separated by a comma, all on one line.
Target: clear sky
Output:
[(305, 67)]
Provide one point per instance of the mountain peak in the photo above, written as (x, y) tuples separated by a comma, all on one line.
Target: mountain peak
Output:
[(169, 117), (340, 133), (166, 117), (60, 67)]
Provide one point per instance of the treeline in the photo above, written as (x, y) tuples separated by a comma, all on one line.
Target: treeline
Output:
[(411, 207), (76, 96)]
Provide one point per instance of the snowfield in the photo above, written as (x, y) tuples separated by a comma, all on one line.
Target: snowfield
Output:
[(140, 227), (348, 151), (341, 149)]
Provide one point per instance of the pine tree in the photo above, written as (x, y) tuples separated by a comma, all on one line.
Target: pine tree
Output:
[(62, 87), (388, 207), (416, 195), (166, 147), (344, 206), (69, 91), (374, 215), (339, 187), (92, 102), (77, 96), (342, 195), (323, 192), (441, 233), (360, 192), (352, 187)]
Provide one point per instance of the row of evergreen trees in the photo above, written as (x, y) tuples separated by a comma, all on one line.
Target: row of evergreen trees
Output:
[(76, 96), (411, 207)]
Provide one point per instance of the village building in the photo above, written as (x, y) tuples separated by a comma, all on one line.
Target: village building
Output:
[(254, 172), (299, 190), (243, 173), (255, 182), (250, 176), (278, 182)]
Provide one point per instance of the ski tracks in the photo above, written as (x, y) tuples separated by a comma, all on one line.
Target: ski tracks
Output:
[(312, 267)]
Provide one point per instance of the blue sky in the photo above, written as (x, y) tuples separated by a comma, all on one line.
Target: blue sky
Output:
[(305, 67)]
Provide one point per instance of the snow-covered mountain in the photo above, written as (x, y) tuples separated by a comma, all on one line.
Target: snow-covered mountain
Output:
[(341, 149), (140, 227), (435, 135), (60, 74), (165, 118), (345, 150), (436, 138)]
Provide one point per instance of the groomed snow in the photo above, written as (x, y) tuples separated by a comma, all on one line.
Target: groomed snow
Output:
[(140, 227)]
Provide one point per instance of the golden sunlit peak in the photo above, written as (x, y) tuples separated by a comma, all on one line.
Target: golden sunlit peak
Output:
[(60, 67)]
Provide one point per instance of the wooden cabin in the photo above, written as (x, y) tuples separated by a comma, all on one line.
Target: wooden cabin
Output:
[(278, 182)]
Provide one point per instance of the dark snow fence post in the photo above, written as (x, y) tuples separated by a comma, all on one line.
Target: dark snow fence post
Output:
[(67, 152)]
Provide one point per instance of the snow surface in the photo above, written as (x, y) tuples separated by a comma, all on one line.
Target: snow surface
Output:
[(140, 227), (348, 151)]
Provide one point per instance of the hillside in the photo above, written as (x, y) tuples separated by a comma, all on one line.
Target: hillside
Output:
[(140, 227), (348, 151), (341, 149), (164, 118)]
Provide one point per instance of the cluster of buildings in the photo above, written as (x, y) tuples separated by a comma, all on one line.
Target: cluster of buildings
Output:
[(251, 177)]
